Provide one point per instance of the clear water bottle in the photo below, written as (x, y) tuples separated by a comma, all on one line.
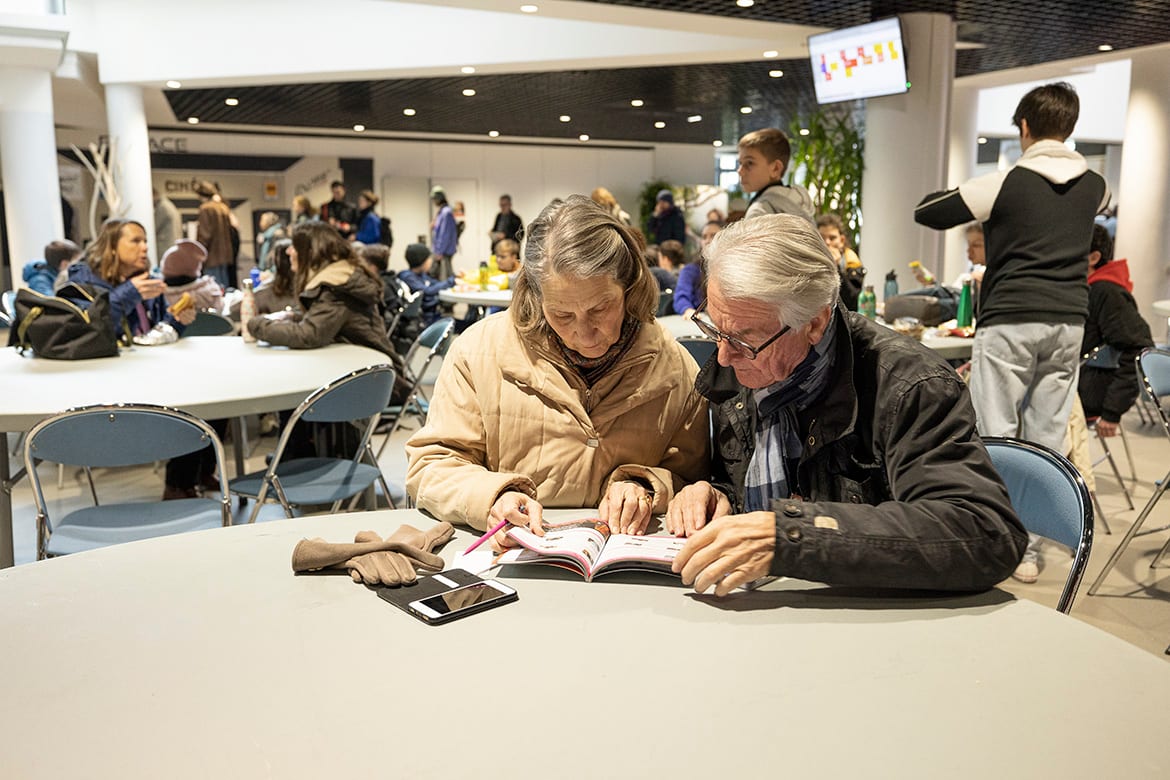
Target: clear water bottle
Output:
[(247, 310)]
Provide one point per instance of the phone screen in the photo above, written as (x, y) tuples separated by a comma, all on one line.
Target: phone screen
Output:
[(462, 598)]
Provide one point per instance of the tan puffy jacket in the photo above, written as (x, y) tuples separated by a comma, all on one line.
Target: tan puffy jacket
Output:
[(507, 415)]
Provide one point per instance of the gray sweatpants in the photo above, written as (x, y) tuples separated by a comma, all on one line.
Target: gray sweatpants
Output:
[(1024, 380)]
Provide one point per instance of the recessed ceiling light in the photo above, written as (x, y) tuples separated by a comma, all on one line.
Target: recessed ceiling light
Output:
[(695, 118), (660, 125), (409, 111), (468, 93), (529, 9), (717, 143), (745, 3), (172, 84), (494, 133), (745, 109), (231, 101), (192, 120), (1105, 47), (566, 118), (775, 73), (981, 140), (467, 69), (804, 131), (359, 128), (771, 54), (637, 102), (583, 137)]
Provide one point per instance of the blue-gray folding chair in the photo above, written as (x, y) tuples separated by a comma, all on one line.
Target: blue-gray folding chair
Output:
[(1051, 500), (1154, 374), (1106, 357), (431, 345), (112, 435), (700, 347), (358, 398)]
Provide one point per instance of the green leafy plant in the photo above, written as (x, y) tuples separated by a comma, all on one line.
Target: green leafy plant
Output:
[(829, 161)]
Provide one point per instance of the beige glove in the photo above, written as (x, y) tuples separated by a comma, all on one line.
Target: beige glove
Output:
[(410, 547), (393, 566)]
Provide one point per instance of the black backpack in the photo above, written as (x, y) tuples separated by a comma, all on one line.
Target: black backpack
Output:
[(386, 235)]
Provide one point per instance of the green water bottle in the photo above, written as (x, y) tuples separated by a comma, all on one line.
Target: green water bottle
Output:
[(965, 313), (867, 303)]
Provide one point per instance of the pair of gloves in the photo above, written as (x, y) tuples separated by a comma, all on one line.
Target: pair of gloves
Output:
[(374, 560)]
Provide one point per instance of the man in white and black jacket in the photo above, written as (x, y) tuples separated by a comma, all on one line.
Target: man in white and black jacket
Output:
[(1038, 222)]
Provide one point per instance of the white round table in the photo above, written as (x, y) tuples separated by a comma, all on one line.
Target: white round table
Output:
[(202, 655), (480, 298), (210, 377)]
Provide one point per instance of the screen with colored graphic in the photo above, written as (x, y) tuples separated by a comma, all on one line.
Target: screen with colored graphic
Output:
[(859, 62)]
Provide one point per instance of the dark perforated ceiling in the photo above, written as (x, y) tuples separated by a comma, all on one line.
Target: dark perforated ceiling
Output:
[(1011, 34)]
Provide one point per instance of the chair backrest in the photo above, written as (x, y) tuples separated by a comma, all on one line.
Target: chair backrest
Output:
[(432, 343), (1103, 356), (700, 347), (665, 302), (1154, 370), (1050, 498), (208, 323), (359, 394), (117, 435)]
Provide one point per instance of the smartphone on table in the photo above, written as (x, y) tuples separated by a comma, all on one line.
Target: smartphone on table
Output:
[(449, 595)]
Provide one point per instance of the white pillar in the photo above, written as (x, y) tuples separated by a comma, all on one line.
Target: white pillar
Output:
[(1143, 195), (906, 153), (961, 162), (28, 159), (126, 120)]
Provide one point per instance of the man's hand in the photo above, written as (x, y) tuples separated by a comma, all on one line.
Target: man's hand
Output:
[(1106, 429), (693, 507), (729, 552)]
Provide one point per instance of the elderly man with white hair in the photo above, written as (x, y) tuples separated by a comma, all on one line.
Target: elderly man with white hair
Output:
[(844, 452)]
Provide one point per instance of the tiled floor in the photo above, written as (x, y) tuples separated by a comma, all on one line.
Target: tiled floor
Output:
[(1134, 602)]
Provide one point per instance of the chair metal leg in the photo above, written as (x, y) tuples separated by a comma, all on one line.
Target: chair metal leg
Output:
[(1129, 535), (1128, 455), (1099, 513), (1161, 554), (1116, 472)]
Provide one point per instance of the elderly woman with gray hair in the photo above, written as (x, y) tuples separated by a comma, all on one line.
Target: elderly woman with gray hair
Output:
[(575, 397), (844, 452)]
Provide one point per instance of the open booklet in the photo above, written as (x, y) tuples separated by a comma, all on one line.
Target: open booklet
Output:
[(588, 547)]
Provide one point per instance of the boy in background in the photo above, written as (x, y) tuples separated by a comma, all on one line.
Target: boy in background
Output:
[(417, 278), (763, 161)]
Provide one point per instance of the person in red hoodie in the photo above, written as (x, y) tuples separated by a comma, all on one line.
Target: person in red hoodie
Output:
[(1114, 320)]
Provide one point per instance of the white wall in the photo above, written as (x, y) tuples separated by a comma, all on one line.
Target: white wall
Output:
[(533, 174)]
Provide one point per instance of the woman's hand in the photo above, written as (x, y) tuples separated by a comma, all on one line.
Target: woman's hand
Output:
[(693, 507), (626, 508), (186, 316), (518, 509), (148, 287)]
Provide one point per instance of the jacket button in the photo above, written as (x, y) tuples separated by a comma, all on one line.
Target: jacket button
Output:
[(791, 510), (739, 405), (591, 442), (793, 534), (812, 440), (855, 499)]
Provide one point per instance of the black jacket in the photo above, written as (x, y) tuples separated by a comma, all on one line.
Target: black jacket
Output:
[(898, 490), (1113, 320)]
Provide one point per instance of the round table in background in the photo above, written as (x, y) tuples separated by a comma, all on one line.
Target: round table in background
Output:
[(480, 298), (202, 655), (209, 376)]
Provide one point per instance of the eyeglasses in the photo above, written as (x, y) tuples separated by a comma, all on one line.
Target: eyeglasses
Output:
[(709, 330)]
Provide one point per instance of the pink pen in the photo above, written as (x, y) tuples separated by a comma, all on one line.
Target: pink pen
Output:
[(491, 532)]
